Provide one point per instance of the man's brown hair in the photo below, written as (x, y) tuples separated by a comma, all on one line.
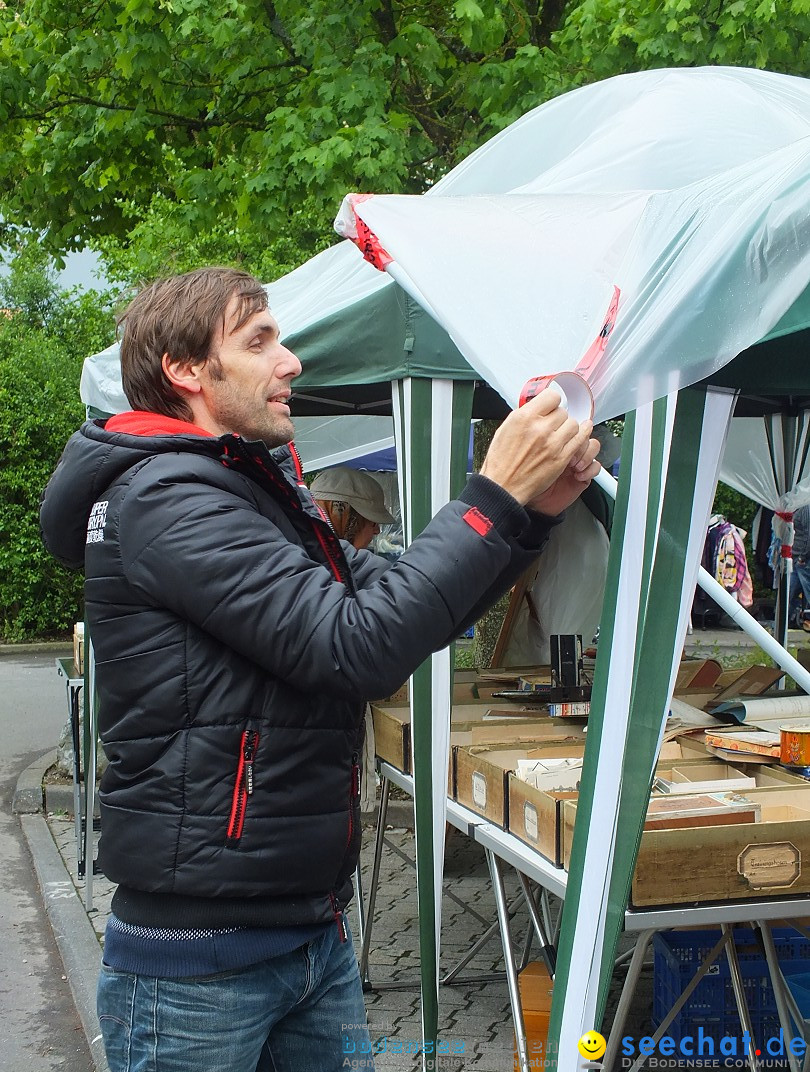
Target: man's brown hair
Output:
[(180, 316)]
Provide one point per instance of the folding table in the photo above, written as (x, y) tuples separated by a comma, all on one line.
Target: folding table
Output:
[(501, 848)]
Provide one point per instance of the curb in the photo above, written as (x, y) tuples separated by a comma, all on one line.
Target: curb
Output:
[(64, 647), (77, 941), (29, 796), (59, 797)]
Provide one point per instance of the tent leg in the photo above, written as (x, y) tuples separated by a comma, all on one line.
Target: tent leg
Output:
[(626, 997), (738, 987), (509, 959), (375, 881)]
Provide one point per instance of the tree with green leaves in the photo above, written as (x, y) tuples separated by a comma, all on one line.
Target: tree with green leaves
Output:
[(44, 335), (247, 111), (257, 116)]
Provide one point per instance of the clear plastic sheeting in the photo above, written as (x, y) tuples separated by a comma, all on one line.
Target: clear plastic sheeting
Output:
[(100, 385), (768, 459), (687, 189), (325, 441)]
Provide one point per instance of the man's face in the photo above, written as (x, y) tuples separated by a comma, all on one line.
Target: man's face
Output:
[(366, 531), (246, 382)]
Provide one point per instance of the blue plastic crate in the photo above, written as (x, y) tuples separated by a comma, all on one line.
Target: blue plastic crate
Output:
[(677, 955)]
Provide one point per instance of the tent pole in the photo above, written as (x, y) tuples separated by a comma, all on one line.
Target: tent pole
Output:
[(739, 615)]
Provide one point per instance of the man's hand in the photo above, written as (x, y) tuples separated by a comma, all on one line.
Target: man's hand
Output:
[(568, 487), (541, 456)]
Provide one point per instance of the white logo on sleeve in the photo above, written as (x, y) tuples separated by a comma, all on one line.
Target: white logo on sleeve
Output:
[(98, 518)]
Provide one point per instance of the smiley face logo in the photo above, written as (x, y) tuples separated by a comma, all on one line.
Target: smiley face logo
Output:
[(592, 1046)]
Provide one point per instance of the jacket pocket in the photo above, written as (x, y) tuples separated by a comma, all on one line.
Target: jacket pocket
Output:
[(243, 786)]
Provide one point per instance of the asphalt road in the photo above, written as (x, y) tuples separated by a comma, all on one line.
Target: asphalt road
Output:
[(40, 1030)]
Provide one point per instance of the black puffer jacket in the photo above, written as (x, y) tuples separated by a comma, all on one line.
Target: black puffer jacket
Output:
[(236, 640)]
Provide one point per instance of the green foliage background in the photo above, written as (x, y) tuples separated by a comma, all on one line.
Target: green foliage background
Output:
[(44, 336)]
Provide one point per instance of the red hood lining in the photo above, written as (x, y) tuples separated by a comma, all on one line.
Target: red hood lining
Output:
[(141, 422)]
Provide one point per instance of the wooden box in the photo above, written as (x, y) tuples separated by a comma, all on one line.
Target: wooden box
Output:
[(470, 723), (536, 815), (481, 774), (742, 862), (392, 735), (78, 647)]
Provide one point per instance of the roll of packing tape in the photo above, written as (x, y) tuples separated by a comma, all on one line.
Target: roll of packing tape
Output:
[(575, 394)]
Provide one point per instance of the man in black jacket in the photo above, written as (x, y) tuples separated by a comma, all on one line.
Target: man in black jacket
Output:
[(236, 641)]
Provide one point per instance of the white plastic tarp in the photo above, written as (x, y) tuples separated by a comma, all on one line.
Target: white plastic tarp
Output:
[(689, 190), (768, 459), (324, 441)]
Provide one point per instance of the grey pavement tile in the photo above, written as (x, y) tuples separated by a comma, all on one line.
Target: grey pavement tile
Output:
[(390, 1005)]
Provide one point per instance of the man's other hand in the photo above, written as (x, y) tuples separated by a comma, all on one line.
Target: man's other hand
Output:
[(541, 456)]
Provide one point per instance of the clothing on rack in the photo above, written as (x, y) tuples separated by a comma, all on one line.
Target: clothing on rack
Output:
[(725, 559)]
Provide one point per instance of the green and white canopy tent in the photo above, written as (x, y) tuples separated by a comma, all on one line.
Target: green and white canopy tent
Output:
[(687, 194), (767, 458), (688, 191)]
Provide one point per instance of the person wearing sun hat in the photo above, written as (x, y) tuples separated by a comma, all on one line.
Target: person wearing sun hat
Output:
[(354, 503)]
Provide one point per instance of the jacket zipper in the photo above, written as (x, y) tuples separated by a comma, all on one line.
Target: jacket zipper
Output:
[(244, 785), (354, 793), (331, 553), (299, 469), (340, 921)]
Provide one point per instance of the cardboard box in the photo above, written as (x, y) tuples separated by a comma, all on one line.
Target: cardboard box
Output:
[(78, 647), (690, 747), (703, 778), (745, 862), (775, 774), (697, 674), (536, 988), (694, 685), (481, 775), (536, 815), (752, 681), (471, 723)]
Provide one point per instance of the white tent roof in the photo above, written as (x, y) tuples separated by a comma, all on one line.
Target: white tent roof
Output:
[(688, 189)]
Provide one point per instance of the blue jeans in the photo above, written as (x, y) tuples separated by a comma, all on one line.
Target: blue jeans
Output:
[(299, 1012)]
